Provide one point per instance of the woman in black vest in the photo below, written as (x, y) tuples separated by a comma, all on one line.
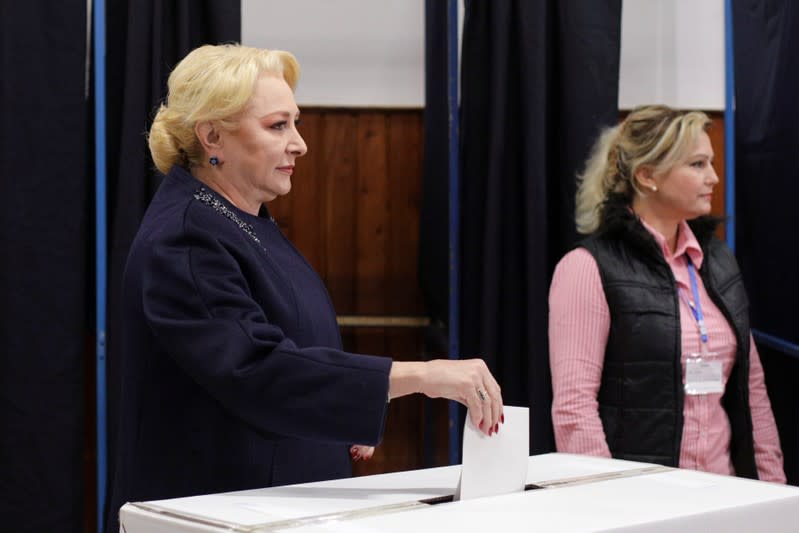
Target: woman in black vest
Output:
[(651, 354)]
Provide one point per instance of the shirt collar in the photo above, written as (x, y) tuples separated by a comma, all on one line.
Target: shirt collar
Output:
[(686, 243)]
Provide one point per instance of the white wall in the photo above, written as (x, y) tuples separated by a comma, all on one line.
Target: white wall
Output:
[(370, 53), (353, 53), (672, 52)]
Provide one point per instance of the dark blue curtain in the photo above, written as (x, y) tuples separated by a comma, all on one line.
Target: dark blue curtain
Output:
[(146, 39), (434, 213), (766, 35), (538, 82), (46, 186), (47, 477)]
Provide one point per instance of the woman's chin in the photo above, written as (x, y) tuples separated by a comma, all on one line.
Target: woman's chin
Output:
[(280, 189), (704, 208)]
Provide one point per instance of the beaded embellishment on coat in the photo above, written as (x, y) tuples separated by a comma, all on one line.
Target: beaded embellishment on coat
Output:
[(210, 200)]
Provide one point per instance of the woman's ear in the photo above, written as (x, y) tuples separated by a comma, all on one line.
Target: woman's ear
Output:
[(644, 177), (209, 137)]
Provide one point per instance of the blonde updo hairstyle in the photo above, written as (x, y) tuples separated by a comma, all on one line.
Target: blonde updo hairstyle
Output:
[(212, 83), (654, 136)]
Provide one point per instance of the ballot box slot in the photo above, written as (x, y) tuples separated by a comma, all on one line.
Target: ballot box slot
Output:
[(438, 499)]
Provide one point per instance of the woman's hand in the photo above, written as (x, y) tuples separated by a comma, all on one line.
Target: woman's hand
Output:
[(359, 451), (466, 381)]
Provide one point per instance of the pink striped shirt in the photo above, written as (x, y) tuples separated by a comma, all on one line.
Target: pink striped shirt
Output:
[(579, 322)]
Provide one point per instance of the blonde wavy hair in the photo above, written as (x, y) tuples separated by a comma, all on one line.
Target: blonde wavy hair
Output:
[(652, 136), (212, 83)]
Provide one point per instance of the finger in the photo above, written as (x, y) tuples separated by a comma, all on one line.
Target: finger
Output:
[(496, 410), (476, 410), (497, 404), (487, 389), (490, 416), (495, 393), (487, 426), (491, 412)]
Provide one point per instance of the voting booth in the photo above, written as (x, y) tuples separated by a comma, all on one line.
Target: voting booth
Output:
[(564, 493)]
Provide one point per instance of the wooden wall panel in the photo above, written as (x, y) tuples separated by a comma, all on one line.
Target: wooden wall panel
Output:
[(339, 164), (716, 134), (371, 250), (404, 189)]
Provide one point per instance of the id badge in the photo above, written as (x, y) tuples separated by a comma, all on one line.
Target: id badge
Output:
[(703, 374)]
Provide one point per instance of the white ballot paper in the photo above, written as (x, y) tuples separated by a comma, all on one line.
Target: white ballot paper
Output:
[(496, 464)]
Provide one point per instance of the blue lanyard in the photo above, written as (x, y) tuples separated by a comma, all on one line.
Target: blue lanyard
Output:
[(696, 305)]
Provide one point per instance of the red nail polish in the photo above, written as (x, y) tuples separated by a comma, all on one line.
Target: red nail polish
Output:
[(502, 418), (481, 425), (496, 428)]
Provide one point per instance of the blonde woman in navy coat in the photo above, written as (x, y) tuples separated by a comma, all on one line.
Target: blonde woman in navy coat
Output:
[(233, 371)]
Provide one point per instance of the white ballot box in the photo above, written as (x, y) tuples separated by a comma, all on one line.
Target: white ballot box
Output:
[(566, 493)]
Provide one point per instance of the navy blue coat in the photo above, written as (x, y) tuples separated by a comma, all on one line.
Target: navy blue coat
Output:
[(233, 376)]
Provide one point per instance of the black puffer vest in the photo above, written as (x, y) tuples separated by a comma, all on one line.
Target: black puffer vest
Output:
[(641, 393)]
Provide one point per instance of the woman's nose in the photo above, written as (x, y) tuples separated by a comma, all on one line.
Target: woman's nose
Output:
[(297, 145), (714, 177)]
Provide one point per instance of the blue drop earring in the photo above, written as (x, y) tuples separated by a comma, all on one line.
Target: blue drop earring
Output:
[(214, 161)]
